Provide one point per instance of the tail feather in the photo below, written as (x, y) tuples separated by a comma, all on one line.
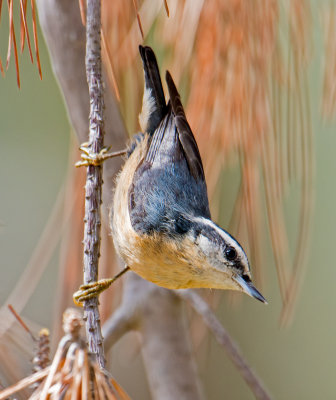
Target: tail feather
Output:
[(186, 136), (153, 103)]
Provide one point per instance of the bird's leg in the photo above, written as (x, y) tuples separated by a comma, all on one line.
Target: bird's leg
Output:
[(94, 289), (90, 158)]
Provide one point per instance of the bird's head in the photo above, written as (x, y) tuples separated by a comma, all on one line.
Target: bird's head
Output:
[(223, 262)]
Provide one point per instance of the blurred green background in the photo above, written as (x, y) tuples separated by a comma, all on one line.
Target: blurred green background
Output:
[(295, 363)]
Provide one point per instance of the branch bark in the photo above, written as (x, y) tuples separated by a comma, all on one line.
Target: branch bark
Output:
[(94, 180)]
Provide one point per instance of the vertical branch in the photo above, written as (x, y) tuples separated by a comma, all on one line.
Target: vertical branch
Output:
[(93, 185)]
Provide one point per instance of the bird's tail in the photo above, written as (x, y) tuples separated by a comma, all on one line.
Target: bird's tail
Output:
[(153, 103), (185, 134)]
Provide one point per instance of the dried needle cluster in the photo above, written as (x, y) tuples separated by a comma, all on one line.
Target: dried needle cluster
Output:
[(73, 373)]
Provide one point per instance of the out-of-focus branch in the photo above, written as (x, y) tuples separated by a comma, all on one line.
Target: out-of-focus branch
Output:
[(224, 339), (157, 314), (130, 316)]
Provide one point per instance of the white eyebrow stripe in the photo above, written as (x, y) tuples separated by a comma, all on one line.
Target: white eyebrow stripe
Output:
[(226, 237)]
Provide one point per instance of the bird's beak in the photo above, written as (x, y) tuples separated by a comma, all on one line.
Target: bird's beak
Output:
[(249, 289)]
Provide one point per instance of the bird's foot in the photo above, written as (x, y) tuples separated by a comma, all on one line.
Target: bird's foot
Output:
[(90, 290), (93, 289), (91, 158)]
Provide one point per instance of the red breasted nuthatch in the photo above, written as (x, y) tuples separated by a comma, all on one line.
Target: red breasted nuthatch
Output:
[(160, 217)]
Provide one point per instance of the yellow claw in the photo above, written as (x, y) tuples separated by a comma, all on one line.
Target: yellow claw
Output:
[(90, 158), (91, 290)]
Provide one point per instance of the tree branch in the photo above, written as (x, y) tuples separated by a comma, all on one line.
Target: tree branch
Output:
[(93, 186)]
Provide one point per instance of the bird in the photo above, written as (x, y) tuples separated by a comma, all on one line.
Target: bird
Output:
[(160, 217)]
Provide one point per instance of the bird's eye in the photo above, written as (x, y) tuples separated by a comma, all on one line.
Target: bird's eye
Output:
[(230, 253)]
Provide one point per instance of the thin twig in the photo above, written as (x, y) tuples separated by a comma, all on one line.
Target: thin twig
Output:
[(224, 339), (93, 187)]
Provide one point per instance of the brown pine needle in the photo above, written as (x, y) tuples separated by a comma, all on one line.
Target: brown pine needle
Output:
[(1, 68), (109, 65), (74, 373), (10, 37), (77, 368), (23, 383), (86, 392), (166, 7), (53, 368), (23, 11), (35, 38), (21, 322), (138, 18), (24, 28), (101, 386), (22, 31), (82, 11), (140, 26), (16, 58), (121, 392)]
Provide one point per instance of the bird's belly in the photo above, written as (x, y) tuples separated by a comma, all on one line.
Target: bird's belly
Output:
[(161, 261)]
